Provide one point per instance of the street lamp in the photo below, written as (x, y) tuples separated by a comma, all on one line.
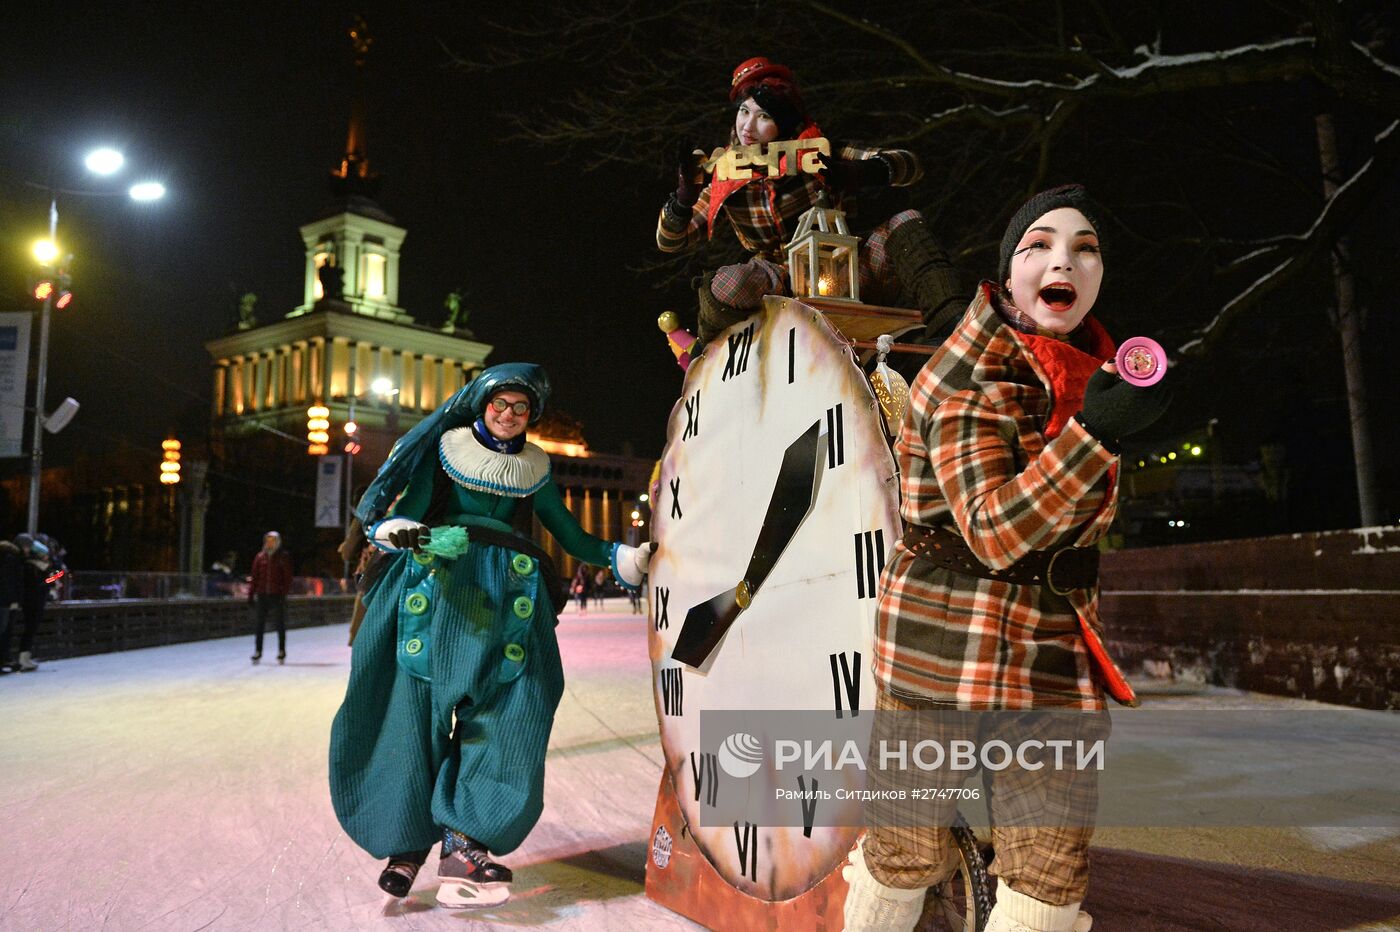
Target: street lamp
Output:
[(105, 161)]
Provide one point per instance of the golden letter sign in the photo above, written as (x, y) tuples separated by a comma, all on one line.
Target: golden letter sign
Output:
[(784, 157)]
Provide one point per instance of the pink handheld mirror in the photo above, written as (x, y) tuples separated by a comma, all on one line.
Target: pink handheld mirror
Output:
[(1141, 361)]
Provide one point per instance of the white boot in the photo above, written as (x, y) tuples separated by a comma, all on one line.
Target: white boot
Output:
[(1016, 912), (26, 662), (872, 905)]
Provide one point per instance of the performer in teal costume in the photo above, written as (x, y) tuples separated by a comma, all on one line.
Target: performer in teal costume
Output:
[(455, 674)]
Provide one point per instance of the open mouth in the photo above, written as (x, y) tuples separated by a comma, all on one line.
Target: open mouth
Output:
[(1058, 297)]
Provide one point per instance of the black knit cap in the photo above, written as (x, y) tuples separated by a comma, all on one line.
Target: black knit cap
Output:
[(1068, 195)]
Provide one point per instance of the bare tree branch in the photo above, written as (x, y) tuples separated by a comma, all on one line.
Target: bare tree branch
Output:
[(1350, 199)]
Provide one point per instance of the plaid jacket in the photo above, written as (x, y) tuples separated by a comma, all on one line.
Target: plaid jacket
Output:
[(765, 212), (974, 456)]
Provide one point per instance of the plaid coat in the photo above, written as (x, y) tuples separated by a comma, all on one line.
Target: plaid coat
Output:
[(986, 449), (765, 211)]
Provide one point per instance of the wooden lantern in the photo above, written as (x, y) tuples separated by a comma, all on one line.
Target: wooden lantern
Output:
[(823, 256)]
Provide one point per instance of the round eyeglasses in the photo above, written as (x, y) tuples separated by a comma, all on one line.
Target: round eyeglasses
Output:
[(520, 408)]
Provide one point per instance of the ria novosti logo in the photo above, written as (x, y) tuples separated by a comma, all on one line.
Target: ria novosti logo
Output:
[(741, 755)]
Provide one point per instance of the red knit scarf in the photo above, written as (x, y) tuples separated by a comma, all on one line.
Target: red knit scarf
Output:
[(1068, 370)]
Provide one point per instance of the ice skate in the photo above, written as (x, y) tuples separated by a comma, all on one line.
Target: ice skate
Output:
[(282, 658), (256, 657), (398, 875), (468, 876), (26, 663)]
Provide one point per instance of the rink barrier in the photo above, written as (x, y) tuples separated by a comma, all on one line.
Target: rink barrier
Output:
[(77, 629), (1312, 616)]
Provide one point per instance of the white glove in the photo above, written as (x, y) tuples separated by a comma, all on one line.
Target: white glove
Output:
[(633, 563)]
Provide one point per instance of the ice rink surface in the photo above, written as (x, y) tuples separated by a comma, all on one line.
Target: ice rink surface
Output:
[(184, 788)]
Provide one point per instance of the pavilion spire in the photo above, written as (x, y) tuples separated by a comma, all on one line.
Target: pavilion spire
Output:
[(354, 177)]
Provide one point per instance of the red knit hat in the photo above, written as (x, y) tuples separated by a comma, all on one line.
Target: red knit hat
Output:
[(758, 69), (775, 88)]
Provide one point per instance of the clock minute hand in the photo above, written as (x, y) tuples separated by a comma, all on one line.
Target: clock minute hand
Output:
[(794, 495)]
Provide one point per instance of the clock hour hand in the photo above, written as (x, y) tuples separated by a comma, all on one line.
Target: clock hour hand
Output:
[(794, 495)]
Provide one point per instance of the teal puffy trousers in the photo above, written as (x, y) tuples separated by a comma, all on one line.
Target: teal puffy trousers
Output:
[(454, 680)]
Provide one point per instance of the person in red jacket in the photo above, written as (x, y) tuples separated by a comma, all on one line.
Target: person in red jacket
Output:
[(269, 585)]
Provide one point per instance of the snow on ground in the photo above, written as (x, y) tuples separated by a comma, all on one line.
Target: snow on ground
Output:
[(184, 788)]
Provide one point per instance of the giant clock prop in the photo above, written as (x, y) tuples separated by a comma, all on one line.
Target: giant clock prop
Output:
[(778, 500)]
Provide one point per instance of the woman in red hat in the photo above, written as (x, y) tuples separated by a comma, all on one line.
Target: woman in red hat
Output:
[(900, 263)]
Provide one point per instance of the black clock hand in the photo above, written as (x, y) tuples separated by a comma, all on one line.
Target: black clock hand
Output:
[(794, 495)]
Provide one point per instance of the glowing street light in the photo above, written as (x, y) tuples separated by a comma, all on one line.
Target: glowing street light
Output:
[(147, 191), (45, 251), (383, 387), (104, 161)]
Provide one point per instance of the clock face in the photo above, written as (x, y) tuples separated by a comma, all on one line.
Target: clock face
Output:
[(750, 493)]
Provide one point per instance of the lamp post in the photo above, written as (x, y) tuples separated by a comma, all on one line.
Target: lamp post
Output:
[(36, 462), (102, 162)]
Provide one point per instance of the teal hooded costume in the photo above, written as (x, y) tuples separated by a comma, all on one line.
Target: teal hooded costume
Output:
[(455, 674)]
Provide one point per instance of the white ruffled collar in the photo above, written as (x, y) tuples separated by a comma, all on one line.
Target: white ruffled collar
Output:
[(474, 467)]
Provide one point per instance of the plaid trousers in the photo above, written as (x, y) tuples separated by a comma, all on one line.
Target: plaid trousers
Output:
[(744, 285), (1042, 820)]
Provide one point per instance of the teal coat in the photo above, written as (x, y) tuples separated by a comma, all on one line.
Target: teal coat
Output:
[(454, 680)]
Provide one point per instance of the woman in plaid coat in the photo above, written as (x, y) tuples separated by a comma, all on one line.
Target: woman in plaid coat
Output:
[(1009, 464), (764, 212)]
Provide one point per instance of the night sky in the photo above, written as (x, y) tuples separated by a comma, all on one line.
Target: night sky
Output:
[(241, 110)]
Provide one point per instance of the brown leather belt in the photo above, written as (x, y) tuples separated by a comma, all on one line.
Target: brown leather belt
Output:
[(1062, 570)]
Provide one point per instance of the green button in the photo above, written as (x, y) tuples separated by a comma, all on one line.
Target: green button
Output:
[(416, 603), (422, 558), (515, 652), (413, 646), (524, 607), (522, 564)]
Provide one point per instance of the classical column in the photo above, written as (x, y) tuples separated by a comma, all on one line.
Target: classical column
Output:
[(283, 371), (220, 380), (367, 368), (299, 372), (430, 381), (403, 374), (339, 366), (320, 375), (417, 379)]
